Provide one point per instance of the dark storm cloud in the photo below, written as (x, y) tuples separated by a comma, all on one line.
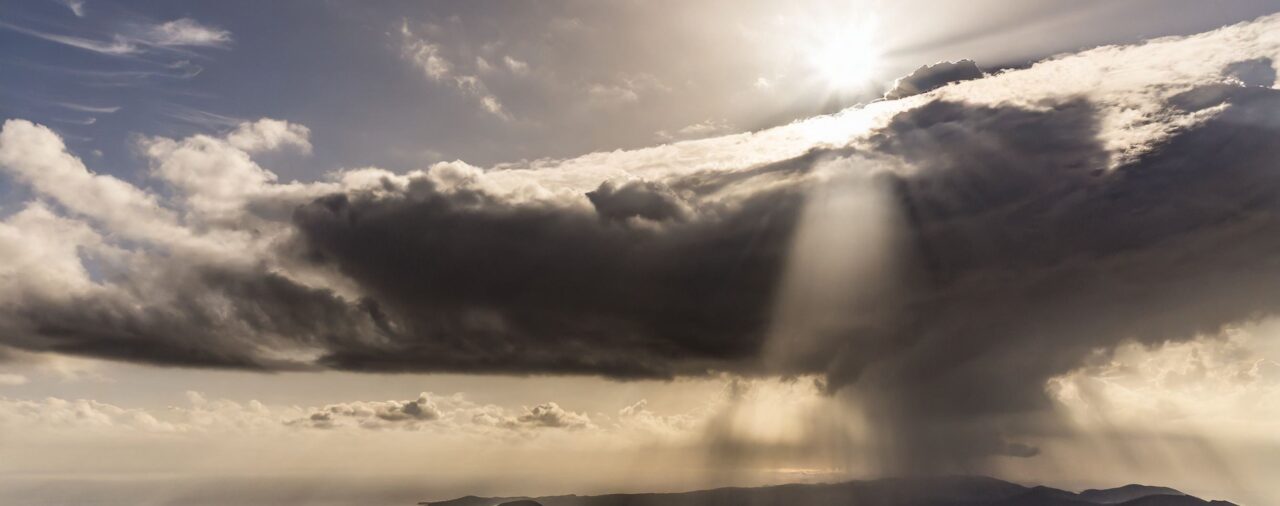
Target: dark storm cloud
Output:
[(201, 317), (1029, 256), (1026, 254), (649, 200), (475, 284)]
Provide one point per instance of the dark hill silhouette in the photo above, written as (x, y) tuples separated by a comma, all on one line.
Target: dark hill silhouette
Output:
[(943, 491), (1174, 500), (1125, 493)]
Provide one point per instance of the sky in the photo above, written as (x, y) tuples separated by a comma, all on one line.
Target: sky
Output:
[(377, 253)]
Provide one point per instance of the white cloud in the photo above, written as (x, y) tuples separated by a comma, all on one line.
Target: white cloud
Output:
[(186, 32), (76, 6), (53, 414), (551, 414), (611, 93), (90, 108), (179, 33), (439, 417), (698, 130), (83, 121), (516, 67), (425, 55), (118, 45), (270, 134), (428, 57), (40, 255), (625, 89), (1228, 384), (37, 156), (10, 379)]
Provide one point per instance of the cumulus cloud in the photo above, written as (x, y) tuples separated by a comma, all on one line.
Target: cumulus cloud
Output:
[(930, 77), (451, 415), (552, 415), (1011, 226), (408, 414), (648, 200), (270, 134), (38, 157)]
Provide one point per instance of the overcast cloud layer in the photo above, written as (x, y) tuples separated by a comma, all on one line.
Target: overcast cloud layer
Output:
[(1012, 225)]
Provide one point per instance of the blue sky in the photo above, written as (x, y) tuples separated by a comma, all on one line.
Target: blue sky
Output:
[(571, 77)]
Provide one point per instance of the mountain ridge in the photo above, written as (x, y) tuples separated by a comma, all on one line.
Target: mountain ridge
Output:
[(938, 491)]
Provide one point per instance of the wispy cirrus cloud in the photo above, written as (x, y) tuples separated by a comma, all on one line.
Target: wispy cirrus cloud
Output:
[(624, 89), (428, 57), (170, 35), (76, 6), (80, 121), (698, 130), (115, 46), (185, 32), (89, 108)]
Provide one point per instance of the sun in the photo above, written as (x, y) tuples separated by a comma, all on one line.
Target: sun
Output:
[(844, 57)]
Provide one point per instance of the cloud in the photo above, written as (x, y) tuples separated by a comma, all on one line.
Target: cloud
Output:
[(453, 414), (10, 379), (89, 108), (117, 46), (83, 415), (697, 130), (637, 199), (516, 67), (552, 415), (373, 415), (939, 258), (37, 157), (186, 32), (930, 77), (41, 255), (170, 35), (85, 121), (76, 6), (624, 90), (428, 57), (268, 134), (433, 419), (607, 93), (1163, 387)]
